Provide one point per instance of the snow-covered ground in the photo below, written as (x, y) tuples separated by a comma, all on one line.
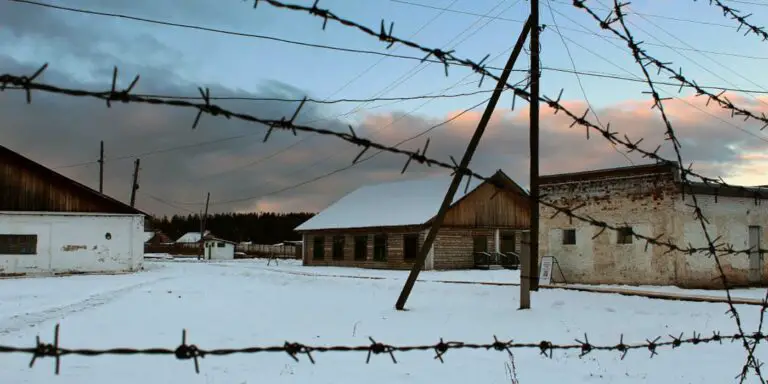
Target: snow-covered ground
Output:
[(245, 302)]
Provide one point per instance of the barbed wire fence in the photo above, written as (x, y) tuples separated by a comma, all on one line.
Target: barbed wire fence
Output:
[(614, 23)]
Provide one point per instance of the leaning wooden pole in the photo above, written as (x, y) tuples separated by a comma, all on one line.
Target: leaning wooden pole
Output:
[(473, 143)]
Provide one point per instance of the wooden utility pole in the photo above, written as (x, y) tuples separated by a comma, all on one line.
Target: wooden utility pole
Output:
[(101, 168), (202, 226), (530, 270), (473, 143), (135, 185)]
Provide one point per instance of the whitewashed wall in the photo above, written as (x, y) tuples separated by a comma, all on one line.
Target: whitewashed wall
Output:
[(729, 220), (214, 252), (75, 242)]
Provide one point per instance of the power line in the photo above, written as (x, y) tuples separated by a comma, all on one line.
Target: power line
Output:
[(363, 103), (404, 77), (405, 57), (727, 122), (339, 170), (584, 32), (578, 79)]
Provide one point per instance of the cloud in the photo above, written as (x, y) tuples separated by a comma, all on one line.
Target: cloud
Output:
[(229, 159)]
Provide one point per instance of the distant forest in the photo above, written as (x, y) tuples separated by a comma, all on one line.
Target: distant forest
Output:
[(259, 228)]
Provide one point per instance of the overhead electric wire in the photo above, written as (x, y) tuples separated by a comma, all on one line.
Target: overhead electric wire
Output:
[(404, 77), (585, 32), (578, 79), (727, 122), (339, 170)]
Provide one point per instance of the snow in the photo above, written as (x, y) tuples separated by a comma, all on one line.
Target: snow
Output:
[(148, 235), (245, 303), (190, 237), (158, 256), (406, 202)]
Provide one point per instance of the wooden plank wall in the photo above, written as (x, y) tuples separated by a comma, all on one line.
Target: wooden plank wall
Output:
[(26, 190), (506, 210)]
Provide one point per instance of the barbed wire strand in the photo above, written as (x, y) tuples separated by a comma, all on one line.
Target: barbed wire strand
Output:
[(677, 75), (670, 134), (29, 84), (735, 14), (448, 58), (294, 350)]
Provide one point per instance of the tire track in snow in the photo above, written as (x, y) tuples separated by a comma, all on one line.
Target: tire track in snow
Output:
[(19, 322)]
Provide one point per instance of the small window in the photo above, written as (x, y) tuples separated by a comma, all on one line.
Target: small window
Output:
[(338, 248), (410, 246), (479, 243), (361, 247), (569, 236), (18, 244), (220, 244), (318, 247), (624, 235), (380, 247)]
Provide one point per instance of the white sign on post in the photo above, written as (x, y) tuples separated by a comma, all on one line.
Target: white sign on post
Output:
[(545, 270)]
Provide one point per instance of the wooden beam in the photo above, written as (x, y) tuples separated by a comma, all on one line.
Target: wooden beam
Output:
[(473, 143)]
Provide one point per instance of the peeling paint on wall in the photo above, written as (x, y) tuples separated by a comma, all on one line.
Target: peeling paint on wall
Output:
[(75, 243), (652, 206), (72, 248)]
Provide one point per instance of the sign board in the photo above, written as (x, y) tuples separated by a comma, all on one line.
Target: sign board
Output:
[(545, 270)]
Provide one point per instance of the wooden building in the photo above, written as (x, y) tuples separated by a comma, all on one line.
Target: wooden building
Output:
[(52, 224), (156, 238), (384, 226), (649, 200)]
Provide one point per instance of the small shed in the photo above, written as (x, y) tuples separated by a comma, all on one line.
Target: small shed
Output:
[(215, 248), (384, 225), (50, 223), (219, 249)]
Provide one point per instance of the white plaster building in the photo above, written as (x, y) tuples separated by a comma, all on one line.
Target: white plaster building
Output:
[(50, 224), (215, 248), (649, 200)]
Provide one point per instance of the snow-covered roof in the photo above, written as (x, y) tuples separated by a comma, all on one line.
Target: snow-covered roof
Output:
[(148, 235), (399, 203), (190, 237)]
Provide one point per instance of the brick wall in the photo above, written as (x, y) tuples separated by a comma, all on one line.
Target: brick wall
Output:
[(645, 204), (653, 207), (729, 220)]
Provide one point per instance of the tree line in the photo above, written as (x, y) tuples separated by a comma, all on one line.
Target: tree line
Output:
[(259, 228)]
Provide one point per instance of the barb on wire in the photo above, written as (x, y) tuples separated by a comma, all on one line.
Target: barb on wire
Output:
[(735, 14), (187, 351), (417, 156), (448, 58), (637, 54), (719, 98)]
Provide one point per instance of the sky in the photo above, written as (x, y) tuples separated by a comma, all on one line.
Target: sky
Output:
[(306, 172)]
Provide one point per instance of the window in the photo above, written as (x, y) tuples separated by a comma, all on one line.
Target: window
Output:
[(338, 248), (508, 242), (318, 247), (479, 243), (410, 246), (18, 244), (380, 247), (569, 236), (624, 235), (220, 244), (361, 247)]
